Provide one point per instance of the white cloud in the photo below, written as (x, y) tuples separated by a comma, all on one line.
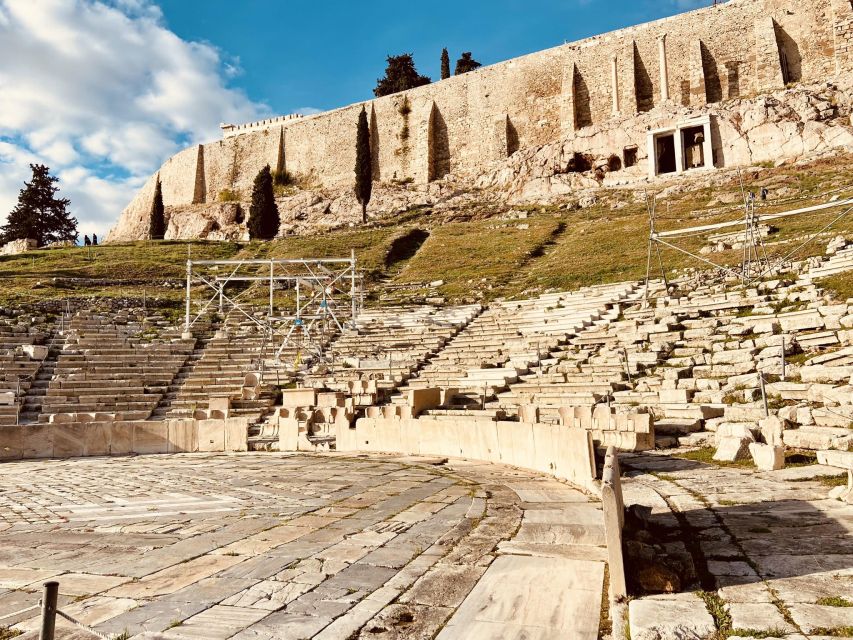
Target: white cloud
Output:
[(102, 92)]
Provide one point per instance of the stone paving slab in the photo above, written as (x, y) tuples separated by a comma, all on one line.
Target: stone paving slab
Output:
[(510, 600), (271, 546), (779, 553)]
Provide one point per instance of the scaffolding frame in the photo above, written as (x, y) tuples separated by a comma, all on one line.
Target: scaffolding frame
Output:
[(328, 292), (755, 264)]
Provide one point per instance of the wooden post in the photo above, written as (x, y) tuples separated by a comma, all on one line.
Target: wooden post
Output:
[(48, 610)]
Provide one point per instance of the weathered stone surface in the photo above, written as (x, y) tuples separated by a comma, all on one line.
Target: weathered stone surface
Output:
[(675, 617)]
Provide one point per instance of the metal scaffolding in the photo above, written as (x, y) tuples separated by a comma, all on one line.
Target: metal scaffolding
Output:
[(755, 264), (307, 299)]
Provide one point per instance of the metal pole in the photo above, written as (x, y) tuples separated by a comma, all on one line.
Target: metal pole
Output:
[(763, 394), (48, 610), (783, 358), (298, 303), (189, 284), (649, 256), (271, 277), (352, 286)]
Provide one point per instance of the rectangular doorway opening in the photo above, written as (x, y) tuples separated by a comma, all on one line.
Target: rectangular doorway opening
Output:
[(665, 152), (693, 141)]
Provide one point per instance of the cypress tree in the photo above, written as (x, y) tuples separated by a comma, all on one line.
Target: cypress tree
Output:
[(39, 214), (263, 212), (157, 228), (363, 164), (400, 75), (466, 63), (445, 64)]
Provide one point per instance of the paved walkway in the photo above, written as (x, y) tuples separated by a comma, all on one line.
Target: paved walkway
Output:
[(263, 546), (773, 556)]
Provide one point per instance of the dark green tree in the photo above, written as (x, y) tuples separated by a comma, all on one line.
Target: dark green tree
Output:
[(39, 214), (445, 64), (400, 75), (263, 212), (466, 63), (157, 226), (363, 164)]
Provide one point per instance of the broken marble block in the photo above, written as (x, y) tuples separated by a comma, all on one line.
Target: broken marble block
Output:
[(772, 430), (731, 448), (767, 457)]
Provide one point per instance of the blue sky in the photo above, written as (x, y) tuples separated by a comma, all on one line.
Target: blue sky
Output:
[(103, 91), (323, 55)]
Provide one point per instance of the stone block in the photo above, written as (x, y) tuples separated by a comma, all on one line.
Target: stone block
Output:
[(421, 400), (10, 443), (731, 448), (772, 429), (69, 440), (236, 434), (37, 441), (767, 457), (298, 397), (219, 408), (183, 436), (671, 617), (288, 436), (121, 438), (96, 438), (211, 435), (150, 437)]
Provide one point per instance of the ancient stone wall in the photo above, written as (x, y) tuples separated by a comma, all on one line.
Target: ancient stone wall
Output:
[(463, 124)]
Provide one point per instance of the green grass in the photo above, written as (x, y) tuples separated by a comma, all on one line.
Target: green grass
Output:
[(840, 285), (835, 601), (7, 634), (138, 264), (833, 632), (754, 633), (471, 256), (473, 250), (706, 455)]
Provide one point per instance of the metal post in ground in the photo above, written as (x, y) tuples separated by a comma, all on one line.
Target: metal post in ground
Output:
[(783, 358), (48, 610), (763, 395)]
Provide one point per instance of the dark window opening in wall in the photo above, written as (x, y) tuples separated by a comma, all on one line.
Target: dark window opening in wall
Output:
[(733, 73), (614, 163), (693, 140), (630, 155), (685, 93), (665, 150)]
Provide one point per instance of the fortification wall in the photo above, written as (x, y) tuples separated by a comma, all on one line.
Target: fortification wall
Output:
[(466, 123)]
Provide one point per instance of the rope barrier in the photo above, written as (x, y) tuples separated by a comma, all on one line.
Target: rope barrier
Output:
[(85, 627)]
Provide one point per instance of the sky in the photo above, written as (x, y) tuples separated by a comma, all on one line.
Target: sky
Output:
[(103, 91)]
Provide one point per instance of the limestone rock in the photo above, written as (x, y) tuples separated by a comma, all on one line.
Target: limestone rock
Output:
[(767, 457), (680, 616), (731, 448)]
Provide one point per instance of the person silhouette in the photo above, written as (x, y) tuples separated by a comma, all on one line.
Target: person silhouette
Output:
[(86, 241), (94, 239)]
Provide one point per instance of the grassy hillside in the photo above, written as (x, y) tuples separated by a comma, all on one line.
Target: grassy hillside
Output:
[(535, 248)]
